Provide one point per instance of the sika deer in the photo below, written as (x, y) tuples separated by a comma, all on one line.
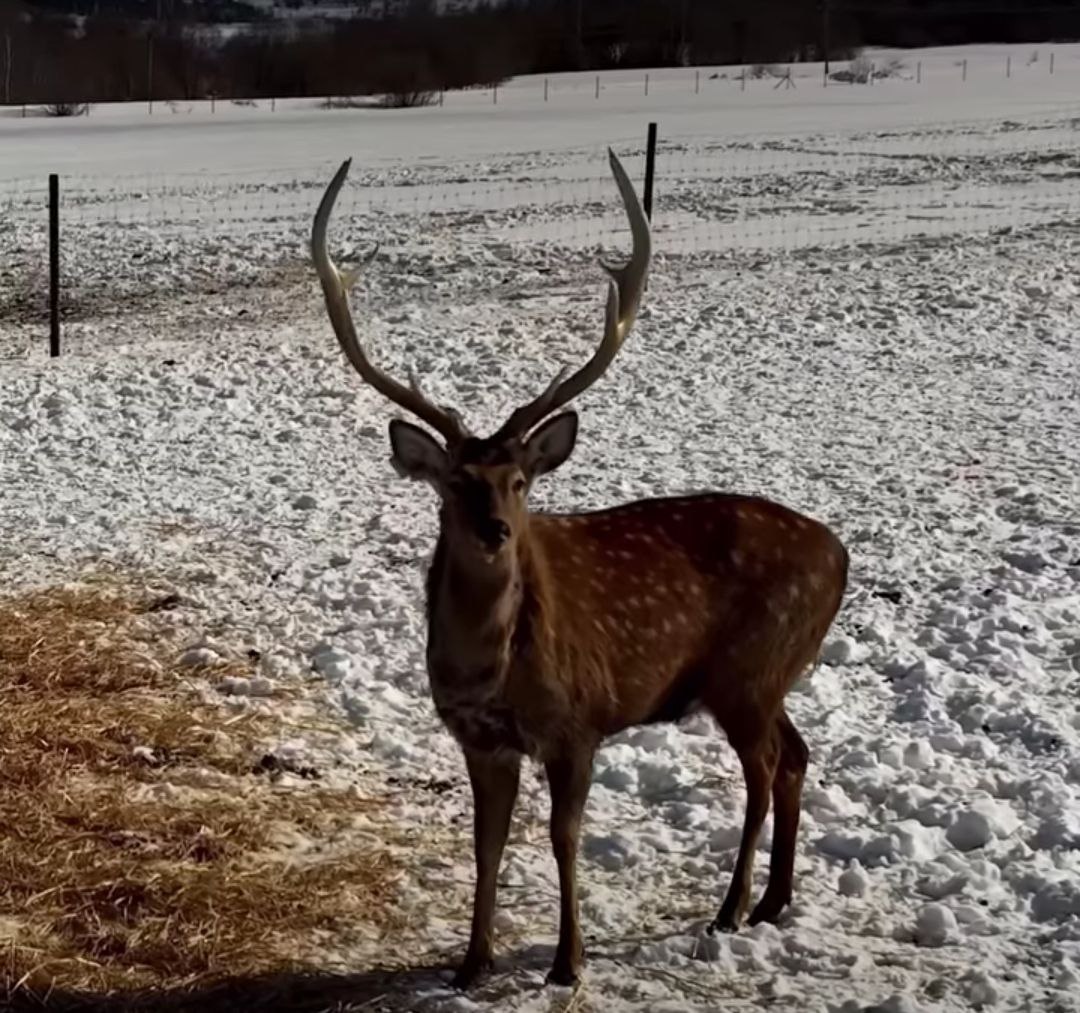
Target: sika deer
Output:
[(548, 633)]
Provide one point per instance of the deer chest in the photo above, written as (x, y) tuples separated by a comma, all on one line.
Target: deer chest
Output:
[(475, 713), (483, 729)]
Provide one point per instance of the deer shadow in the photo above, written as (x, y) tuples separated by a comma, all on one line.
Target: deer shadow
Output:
[(380, 990)]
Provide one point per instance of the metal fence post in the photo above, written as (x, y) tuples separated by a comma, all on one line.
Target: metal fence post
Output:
[(7, 68), (650, 170), (54, 265), (150, 73)]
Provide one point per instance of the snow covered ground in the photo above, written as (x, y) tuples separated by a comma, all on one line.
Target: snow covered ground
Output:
[(864, 303)]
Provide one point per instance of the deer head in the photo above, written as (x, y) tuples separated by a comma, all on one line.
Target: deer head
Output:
[(484, 482)]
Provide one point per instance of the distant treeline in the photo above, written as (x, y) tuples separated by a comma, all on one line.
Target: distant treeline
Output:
[(110, 50)]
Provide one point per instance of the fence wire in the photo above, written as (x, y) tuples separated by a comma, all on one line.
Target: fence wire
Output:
[(182, 238)]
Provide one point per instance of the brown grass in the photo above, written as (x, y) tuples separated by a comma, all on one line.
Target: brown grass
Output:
[(127, 872)]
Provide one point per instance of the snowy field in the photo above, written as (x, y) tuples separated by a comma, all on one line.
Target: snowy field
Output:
[(865, 303)]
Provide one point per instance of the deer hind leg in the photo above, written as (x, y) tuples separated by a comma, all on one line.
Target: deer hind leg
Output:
[(759, 755), (787, 797), (568, 779), (495, 785)]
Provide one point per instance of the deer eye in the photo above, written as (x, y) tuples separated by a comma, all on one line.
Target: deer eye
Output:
[(519, 485), (464, 485)]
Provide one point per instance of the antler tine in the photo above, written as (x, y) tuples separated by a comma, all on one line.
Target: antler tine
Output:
[(335, 286), (625, 288)]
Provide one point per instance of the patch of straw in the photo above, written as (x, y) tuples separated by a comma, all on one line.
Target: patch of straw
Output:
[(124, 871)]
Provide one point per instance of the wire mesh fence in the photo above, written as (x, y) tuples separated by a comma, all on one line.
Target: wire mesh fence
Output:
[(181, 239), (963, 68)]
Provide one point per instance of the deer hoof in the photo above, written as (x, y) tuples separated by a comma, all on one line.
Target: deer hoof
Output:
[(564, 975), (469, 971), (723, 922), (768, 909)]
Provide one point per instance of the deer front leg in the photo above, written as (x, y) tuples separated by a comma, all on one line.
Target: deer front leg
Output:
[(494, 779), (568, 779)]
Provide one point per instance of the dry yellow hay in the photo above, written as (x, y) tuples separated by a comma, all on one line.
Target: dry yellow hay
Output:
[(124, 873)]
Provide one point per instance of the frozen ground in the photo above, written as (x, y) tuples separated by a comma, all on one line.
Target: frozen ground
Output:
[(808, 334)]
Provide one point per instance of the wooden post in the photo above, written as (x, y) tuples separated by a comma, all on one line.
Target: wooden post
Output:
[(54, 265), (785, 81), (650, 170)]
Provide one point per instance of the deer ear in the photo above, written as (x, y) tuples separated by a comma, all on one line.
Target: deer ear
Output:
[(417, 454), (551, 444)]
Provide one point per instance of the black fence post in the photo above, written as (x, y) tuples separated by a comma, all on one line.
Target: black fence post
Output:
[(150, 74), (54, 265), (650, 170), (7, 68)]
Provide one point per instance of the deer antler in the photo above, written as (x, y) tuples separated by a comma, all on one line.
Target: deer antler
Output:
[(335, 286), (624, 296)]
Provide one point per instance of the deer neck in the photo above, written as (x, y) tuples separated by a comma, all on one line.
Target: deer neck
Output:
[(474, 608)]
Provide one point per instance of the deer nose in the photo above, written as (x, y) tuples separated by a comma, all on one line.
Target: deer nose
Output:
[(496, 533)]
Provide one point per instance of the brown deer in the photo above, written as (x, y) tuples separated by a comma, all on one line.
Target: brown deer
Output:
[(548, 633)]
